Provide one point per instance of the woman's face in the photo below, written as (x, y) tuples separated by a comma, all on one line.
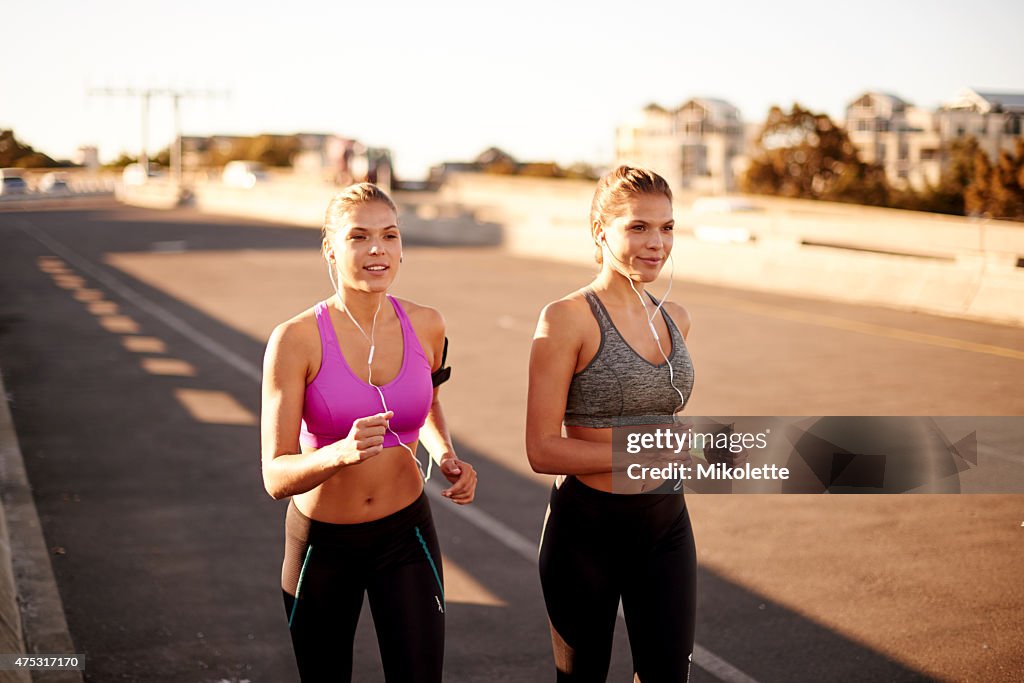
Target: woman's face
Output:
[(640, 237), (367, 247)]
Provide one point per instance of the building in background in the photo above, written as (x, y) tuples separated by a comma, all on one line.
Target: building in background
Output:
[(704, 146), (912, 144), (994, 118), (88, 156), (901, 138), (700, 145)]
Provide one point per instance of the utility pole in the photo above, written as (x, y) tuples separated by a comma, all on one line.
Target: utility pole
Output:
[(146, 94)]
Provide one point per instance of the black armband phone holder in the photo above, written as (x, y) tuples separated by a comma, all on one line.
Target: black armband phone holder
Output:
[(442, 374)]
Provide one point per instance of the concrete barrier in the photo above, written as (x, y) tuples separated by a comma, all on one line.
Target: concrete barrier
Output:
[(31, 612), (288, 203), (904, 259), (155, 194), (11, 639), (302, 204)]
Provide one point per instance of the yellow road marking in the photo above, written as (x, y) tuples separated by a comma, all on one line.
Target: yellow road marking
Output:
[(838, 323)]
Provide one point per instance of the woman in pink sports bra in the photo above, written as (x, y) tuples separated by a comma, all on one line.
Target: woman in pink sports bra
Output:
[(349, 390)]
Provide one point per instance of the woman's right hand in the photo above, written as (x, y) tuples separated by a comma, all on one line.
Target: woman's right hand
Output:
[(364, 440)]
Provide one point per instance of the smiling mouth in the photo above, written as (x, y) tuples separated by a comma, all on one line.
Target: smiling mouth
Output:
[(377, 268)]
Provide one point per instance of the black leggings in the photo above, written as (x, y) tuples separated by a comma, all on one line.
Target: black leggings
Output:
[(394, 560), (599, 546)]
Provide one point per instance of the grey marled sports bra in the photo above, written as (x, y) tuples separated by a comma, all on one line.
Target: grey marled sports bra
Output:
[(619, 383)]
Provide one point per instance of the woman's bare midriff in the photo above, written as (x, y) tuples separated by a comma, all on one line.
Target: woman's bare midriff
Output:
[(371, 490), (603, 481)]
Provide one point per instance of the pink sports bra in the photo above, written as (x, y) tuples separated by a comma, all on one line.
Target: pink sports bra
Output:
[(337, 397)]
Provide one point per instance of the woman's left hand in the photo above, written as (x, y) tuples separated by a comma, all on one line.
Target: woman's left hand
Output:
[(463, 478)]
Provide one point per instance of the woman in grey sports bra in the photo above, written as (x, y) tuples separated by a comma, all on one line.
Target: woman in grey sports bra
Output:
[(607, 355)]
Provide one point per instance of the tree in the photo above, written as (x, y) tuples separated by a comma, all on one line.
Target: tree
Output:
[(163, 157), (803, 154), (17, 155), (1005, 190), (497, 161), (273, 150), (995, 189), (948, 195), (582, 170), (122, 161)]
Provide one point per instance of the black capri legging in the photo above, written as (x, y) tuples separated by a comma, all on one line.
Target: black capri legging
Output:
[(396, 561), (599, 546)]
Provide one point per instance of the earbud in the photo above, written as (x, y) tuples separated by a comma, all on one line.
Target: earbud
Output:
[(604, 240), (401, 257)]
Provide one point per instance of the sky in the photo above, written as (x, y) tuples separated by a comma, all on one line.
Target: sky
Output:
[(544, 80)]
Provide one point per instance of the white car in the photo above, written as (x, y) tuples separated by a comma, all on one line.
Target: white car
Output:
[(243, 174), (54, 183), (134, 174)]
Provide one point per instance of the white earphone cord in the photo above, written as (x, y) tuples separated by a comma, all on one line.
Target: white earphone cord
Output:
[(369, 365), (650, 318), (657, 340)]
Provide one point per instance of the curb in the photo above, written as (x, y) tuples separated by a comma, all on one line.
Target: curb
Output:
[(26, 575)]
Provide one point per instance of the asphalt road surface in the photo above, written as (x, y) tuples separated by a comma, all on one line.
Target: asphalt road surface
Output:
[(131, 341)]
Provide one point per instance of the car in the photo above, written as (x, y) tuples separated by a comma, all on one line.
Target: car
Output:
[(243, 174), (54, 183), (12, 185), (134, 174)]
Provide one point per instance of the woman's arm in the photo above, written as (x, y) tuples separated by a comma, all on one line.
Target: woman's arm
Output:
[(434, 435), (435, 438), (556, 347), (286, 470)]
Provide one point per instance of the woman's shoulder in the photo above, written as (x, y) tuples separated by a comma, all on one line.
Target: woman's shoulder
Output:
[(568, 314), (680, 316), (300, 331), (573, 305), (421, 316), (428, 326)]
